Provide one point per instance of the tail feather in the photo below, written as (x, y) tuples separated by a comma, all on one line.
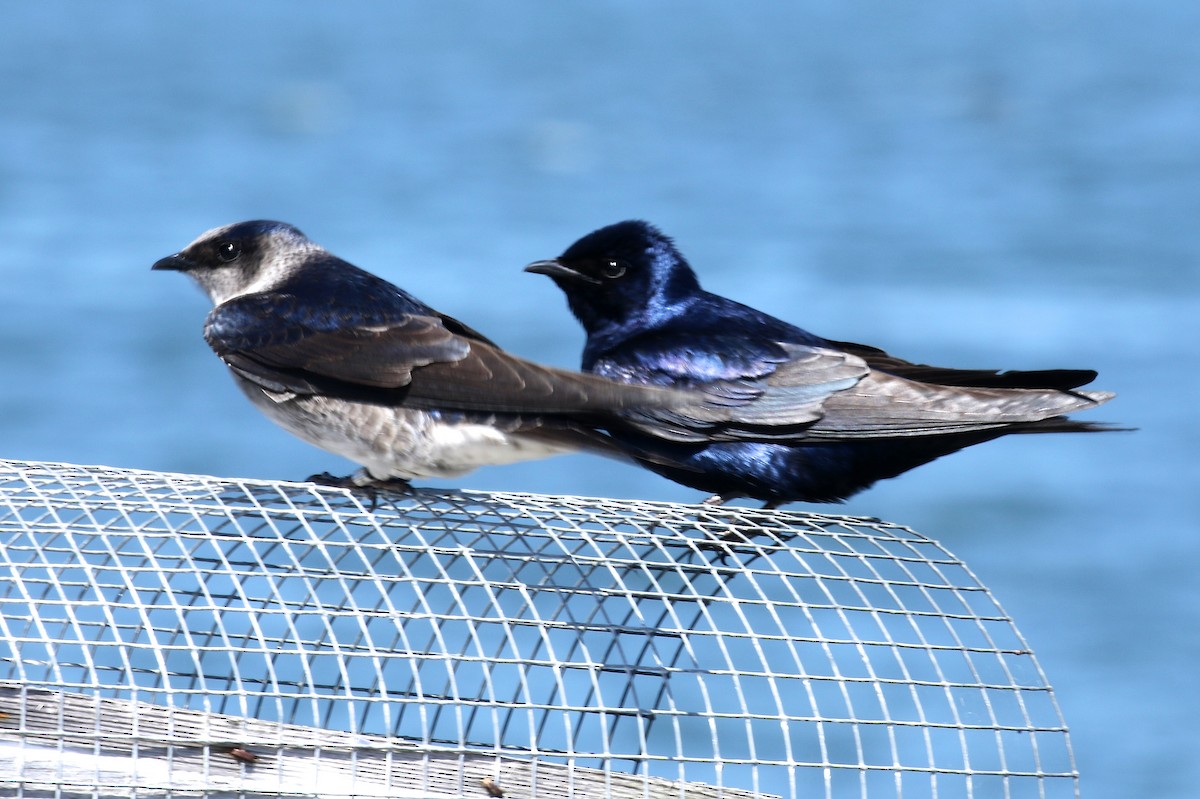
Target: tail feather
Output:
[(1060, 379), (1063, 424)]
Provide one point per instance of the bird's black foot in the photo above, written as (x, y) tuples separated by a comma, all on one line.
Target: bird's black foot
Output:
[(377, 487), (364, 482), (332, 480), (718, 501)]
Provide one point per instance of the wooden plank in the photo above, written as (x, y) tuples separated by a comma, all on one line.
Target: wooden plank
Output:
[(73, 743)]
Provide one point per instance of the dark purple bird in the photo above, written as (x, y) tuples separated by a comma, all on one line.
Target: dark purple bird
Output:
[(806, 419)]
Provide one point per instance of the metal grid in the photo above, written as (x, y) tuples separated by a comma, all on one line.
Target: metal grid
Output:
[(177, 634)]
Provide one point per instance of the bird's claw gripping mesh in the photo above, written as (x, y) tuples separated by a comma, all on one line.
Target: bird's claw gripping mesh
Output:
[(166, 634)]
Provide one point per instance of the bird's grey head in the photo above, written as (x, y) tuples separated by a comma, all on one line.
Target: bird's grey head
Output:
[(242, 258)]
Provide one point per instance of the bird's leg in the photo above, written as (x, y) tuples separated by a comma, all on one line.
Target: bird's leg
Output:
[(716, 501), (363, 480), (373, 486)]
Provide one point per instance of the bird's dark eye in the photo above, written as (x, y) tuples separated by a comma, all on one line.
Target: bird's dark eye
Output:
[(228, 251), (614, 269)]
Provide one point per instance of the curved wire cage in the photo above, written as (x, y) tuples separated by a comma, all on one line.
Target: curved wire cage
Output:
[(166, 634)]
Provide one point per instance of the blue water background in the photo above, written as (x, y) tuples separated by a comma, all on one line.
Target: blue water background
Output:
[(1000, 185)]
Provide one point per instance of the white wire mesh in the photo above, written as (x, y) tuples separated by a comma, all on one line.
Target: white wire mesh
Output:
[(176, 634)]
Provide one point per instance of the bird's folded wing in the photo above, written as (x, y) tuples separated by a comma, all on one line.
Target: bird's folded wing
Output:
[(749, 391), (423, 360), (490, 379), (883, 405), (795, 392), (274, 340)]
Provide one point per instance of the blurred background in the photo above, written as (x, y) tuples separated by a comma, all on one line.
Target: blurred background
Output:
[(988, 185)]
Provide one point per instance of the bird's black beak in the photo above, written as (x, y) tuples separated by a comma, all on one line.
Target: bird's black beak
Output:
[(554, 268), (174, 263)]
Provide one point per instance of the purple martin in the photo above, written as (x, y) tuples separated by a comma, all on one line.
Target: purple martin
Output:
[(356, 366), (811, 420)]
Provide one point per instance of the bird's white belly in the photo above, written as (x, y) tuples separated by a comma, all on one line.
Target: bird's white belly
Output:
[(397, 442)]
